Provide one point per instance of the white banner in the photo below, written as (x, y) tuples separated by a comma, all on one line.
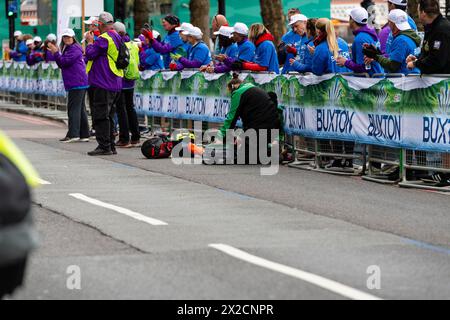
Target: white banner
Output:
[(68, 9)]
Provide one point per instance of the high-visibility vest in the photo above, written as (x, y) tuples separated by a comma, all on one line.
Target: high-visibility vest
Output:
[(113, 54), (9, 150), (132, 72)]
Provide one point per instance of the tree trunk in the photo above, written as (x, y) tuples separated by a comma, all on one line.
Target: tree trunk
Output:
[(273, 18), (200, 17), (141, 15), (413, 12)]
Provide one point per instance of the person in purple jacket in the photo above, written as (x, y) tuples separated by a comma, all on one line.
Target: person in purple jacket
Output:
[(105, 82), (69, 58)]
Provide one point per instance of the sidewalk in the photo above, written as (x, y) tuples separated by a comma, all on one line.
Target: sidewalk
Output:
[(56, 115)]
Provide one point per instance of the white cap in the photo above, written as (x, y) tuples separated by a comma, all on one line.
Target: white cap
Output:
[(359, 15), (29, 41), (37, 39), (17, 33), (119, 27), (184, 27), (296, 18), (51, 37), (156, 34), (90, 20), (194, 32), (138, 42), (68, 33), (402, 3), (225, 31), (400, 19), (241, 28)]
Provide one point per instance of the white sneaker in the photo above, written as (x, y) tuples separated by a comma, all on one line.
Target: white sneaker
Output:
[(84, 140), (72, 140)]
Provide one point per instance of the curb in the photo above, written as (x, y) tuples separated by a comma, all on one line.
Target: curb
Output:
[(34, 113)]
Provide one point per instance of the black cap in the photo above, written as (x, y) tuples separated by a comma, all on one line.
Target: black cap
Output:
[(173, 20)]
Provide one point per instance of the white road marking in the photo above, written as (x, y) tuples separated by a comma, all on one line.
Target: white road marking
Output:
[(319, 281), (129, 213), (43, 182)]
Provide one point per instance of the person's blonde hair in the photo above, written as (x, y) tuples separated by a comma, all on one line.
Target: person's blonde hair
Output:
[(326, 26), (256, 31)]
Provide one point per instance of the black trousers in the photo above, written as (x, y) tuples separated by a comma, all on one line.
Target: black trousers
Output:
[(126, 114), (102, 110), (76, 109)]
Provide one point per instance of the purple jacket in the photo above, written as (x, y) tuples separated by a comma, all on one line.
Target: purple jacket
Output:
[(72, 66), (100, 75), (384, 35), (49, 56)]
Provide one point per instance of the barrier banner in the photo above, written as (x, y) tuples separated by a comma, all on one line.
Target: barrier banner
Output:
[(402, 112)]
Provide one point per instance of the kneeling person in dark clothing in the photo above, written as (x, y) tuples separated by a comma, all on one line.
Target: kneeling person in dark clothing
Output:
[(257, 110)]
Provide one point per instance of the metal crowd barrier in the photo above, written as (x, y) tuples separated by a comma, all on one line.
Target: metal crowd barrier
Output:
[(408, 168)]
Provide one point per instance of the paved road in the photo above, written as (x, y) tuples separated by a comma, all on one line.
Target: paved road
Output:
[(152, 230)]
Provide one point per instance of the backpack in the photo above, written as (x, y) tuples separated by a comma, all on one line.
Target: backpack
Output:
[(123, 59), (132, 71)]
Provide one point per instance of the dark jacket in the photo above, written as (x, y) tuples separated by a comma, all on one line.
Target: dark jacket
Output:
[(435, 56), (254, 107)]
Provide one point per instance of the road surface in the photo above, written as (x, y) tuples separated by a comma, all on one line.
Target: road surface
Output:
[(133, 228)]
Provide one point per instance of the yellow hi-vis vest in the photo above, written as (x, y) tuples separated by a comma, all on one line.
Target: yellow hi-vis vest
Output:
[(10, 151), (113, 54)]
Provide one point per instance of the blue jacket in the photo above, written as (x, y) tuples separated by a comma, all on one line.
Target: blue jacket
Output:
[(300, 45), (304, 64), (344, 51), (266, 55), (401, 48), (151, 60), (390, 38), (72, 66), (19, 54), (362, 36), (246, 51), (172, 43), (323, 61), (231, 51)]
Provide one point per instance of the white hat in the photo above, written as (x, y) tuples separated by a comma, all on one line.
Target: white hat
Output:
[(184, 27), (29, 41), (241, 28), (359, 15), (400, 19), (51, 37), (91, 20), (17, 33), (296, 18), (225, 31), (37, 39), (402, 3), (68, 33), (156, 34), (194, 32), (119, 27)]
